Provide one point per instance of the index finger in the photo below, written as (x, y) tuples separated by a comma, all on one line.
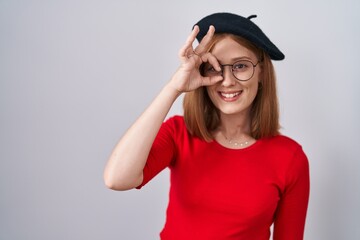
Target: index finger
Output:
[(206, 39)]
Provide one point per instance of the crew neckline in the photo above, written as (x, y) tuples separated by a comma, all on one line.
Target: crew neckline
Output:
[(248, 148)]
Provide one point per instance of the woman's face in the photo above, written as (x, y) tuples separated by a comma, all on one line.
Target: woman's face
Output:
[(231, 96)]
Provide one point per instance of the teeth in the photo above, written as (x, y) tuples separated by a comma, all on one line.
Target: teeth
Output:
[(230, 95)]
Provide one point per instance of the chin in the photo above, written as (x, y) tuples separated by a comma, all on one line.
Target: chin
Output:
[(234, 111)]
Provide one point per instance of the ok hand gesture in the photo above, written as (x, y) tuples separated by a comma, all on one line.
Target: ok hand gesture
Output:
[(188, 77)]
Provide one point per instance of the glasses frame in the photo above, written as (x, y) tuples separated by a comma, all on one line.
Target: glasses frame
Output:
[(232, 69)]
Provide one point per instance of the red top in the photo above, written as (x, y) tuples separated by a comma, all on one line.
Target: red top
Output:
[(220, 193)]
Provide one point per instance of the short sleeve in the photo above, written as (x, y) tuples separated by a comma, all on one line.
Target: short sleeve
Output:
[(291, 212), (162, 152)]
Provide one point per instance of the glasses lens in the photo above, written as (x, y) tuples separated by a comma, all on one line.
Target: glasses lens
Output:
[(243, 70)]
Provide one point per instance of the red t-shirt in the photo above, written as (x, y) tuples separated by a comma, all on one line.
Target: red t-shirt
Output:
[(220, 193)]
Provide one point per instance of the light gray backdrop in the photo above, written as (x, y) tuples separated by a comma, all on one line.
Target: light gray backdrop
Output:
[(75, 74)]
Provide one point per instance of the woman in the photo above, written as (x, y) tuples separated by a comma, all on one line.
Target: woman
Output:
[(232, 173)]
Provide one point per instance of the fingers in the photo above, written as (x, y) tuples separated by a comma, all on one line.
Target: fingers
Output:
[(193, 35), (184, 51), (210, 58), (187, 49), (208, 81), (206, 39)]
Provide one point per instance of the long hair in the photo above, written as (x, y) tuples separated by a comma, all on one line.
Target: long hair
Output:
[(202, 117)]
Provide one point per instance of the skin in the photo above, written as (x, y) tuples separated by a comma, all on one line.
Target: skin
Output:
[(234, 111), (124, 169)]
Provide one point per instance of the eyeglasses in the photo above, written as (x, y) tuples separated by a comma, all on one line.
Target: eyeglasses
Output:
[(242, 70)]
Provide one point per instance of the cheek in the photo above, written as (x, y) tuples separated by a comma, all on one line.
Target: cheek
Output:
[(253, 84), (251, 92), (254, 89), (211, 92)]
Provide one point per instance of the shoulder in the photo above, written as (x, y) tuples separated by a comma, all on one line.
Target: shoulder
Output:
[(288, 158), (282, 143), (176, 122), (175, 125), (285, 150)]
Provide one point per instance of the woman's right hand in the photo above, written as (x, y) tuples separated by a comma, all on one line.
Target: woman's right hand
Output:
[(188, 77)]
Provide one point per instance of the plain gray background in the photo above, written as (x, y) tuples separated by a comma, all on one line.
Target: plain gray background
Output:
[(75, 74)]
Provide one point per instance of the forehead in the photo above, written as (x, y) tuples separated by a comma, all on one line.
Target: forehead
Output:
[(228, 49)]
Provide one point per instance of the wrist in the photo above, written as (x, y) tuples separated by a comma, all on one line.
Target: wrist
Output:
[(172, 90)]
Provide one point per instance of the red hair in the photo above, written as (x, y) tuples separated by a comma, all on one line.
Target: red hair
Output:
[(202, 117)]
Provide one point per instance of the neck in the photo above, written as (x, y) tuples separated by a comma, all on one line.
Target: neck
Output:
[(235, 126)]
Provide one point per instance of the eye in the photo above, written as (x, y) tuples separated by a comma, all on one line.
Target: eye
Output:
[(210, 70), (241, 66)]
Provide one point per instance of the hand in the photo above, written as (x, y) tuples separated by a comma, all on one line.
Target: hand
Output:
[(187, 77)]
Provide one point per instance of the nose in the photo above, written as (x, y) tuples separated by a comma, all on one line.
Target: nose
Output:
[(228, 78)]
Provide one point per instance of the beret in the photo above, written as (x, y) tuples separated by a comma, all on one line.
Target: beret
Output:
[(240, 26)]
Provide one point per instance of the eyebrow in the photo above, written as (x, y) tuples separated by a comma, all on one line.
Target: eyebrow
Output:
[(237, 59)]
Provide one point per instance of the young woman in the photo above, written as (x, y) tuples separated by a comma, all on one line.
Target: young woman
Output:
[(232, 173)]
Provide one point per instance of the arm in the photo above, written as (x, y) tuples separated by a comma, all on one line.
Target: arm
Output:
[(291, 213), (124, 169)]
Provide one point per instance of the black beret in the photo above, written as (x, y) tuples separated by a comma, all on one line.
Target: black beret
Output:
[(241, 26)]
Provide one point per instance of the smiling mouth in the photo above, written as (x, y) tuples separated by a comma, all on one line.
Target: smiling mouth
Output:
[(230, 96)]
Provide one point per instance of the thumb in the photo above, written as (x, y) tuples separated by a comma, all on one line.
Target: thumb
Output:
[(208, 81)]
